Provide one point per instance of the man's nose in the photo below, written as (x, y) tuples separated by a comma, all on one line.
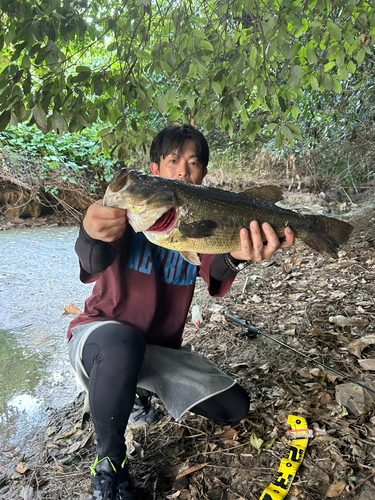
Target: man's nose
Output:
[(183, 170)]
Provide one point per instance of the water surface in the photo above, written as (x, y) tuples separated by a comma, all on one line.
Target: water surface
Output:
[(38, 278)]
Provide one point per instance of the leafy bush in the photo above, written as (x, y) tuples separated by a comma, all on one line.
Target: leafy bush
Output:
[(72, 156)]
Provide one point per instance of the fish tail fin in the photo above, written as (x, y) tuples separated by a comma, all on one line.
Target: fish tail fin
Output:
[(327, 235)]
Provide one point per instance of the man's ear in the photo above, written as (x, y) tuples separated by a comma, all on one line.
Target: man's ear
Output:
[(154, 167), (204, 173)]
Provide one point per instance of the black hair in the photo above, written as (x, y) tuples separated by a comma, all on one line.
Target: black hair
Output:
[(173, 137)]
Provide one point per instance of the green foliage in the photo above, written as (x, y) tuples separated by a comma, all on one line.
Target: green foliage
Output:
[(239, 67), (70, 154)]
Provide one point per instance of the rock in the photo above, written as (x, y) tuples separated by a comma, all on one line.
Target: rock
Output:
[(366, 494), (355, 398)]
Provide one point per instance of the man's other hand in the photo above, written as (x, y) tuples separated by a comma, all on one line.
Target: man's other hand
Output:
[(104, 223), (255, 249)]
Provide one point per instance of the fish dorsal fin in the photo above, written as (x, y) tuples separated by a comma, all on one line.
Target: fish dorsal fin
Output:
[(272, 193), (191, 257)]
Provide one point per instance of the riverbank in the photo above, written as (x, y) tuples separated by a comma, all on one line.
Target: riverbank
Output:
[(291, 297)]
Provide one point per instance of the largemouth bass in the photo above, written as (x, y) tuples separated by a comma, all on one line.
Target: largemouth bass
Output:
[(196, 219)]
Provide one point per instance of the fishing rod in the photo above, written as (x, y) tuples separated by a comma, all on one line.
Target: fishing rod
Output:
[(252, 331)]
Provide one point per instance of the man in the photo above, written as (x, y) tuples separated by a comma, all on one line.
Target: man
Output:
[(128, 339)]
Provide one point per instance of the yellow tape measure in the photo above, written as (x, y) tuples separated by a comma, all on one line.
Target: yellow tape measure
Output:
[(282, 481)]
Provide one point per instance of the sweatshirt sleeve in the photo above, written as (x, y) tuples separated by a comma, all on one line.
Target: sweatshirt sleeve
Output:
[(94, 255), (216, 274)]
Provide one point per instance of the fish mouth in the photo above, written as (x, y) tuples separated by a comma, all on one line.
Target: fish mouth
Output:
[(165, 222)]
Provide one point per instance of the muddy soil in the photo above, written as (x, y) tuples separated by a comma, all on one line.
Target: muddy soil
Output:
[(292, 297)]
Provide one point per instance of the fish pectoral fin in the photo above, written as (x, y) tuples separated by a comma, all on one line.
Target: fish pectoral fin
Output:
[(191, 257), (198, 229), (271, 193)]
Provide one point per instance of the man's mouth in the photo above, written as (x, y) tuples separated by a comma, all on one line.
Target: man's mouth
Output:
[(165, 222)]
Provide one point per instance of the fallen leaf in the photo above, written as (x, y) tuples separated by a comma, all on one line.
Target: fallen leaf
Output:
[(356, 347), (316, 372), (58, 468), (71, 309), (218, 318), (331, 376), (367, 364), (335, 489), (269, 443), (21, 469), (229, 433), (184, 495), (75, 447), (357, 451), (256, 442), (190, 470), (319, 331), (325, 398), (176, 494)]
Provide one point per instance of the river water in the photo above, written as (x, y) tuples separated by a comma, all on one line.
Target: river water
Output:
[(39, 276)]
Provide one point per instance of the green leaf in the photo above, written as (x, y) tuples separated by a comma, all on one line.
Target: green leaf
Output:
[(279, 139), (206, 45), (351, 67), (26, 63), (334, 30), (253, 57), (282, 103), (340, 59), (343, 74), (287, 132), (244, 116), (314, 82), (336, 85), (295, 76), (161, 105), (97, 83), (112, 46), (133, 124), (4, 119), (327, 82), (329, 66), (171, 95), (256, 442), (296, 131), (360, 55), (311, 56), (271, 126), (58, 123), (40, 117), (217, 88), (190, 99), (81, 69), (295, 112)]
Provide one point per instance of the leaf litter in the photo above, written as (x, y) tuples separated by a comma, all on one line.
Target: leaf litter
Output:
[(294, 297)]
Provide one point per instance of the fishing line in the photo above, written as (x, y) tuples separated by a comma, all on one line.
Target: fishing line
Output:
[(252, 331)]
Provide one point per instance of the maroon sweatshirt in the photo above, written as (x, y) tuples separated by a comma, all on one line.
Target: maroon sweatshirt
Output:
[(143, 285)]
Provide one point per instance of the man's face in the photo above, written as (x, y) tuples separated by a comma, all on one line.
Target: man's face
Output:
[(183, 166)]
